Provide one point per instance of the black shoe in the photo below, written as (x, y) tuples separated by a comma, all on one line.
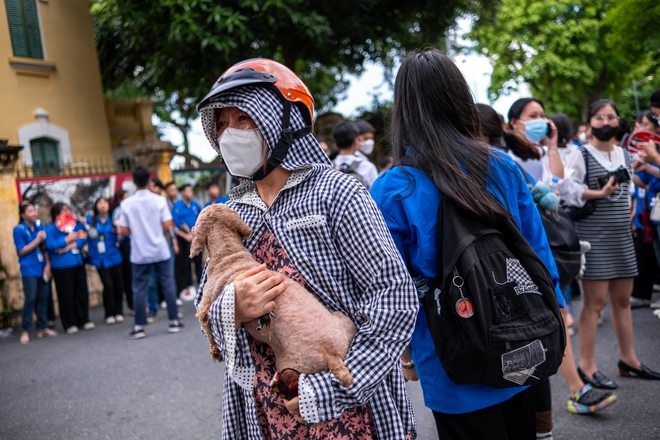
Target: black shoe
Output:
[(175, 328), (644, 372), (598, 380), (137, 334)]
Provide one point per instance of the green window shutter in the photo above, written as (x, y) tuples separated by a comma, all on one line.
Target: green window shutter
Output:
[(24, 28), (45, 159)]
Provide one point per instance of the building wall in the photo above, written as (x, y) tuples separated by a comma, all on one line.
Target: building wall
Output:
[(66, 84)]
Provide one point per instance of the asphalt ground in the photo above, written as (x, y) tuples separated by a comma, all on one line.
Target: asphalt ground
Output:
[(102, 385)]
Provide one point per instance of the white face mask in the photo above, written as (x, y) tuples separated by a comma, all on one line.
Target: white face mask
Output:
[(241, 151), (367, 146), (582, 137)]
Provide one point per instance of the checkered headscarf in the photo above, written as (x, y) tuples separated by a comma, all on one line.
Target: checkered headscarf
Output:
[(266, 109)]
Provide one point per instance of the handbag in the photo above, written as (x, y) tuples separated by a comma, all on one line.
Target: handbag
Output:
[(564, 244), (563, 240), (655, 212), (576, 213)]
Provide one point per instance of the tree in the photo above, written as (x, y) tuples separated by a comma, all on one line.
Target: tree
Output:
[(559, 47), (173, 50)]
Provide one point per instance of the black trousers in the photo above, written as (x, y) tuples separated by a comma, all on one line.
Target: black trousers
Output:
[(127, 272), (647, 265), (513, 419), (113, 289), (182, 266), (72, 296)]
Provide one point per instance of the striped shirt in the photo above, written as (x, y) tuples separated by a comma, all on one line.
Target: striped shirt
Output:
[(336, 238)]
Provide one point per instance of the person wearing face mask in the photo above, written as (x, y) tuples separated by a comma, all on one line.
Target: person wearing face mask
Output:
[(580, 135), (323, 230), (527, 115), (366, 141), (346, 136), (611, 265)]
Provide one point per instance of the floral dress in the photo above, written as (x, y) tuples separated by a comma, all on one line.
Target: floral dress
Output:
[(275, 421)]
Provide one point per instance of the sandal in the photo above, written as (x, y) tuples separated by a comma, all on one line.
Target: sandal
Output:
[(47, 333), (589, 400), (25, 338)]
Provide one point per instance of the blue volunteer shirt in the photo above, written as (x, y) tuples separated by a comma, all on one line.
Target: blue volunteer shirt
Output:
[(104, 249), (653, 184), (410, 211), (220, 199), (33, 263), (185, 214), (56, 239)]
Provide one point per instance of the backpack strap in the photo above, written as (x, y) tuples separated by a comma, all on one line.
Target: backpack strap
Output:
[(585, 156)]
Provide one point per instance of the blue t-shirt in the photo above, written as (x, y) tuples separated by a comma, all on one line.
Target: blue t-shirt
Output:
[(185, 214), (653, 184), (220, 199), (33, 263), (108, 236), (410, 211), (56, 239)]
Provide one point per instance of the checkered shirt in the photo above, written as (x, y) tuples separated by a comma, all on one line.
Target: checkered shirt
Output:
[(337, 239)]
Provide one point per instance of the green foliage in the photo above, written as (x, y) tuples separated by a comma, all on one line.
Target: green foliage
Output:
[(564, 49), (173, 50)]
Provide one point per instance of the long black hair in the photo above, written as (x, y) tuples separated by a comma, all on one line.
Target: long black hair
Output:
[(96, 209), (508, 140), (564, 128), (435, 128), (22, 208)]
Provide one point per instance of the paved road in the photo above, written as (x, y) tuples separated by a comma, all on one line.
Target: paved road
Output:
[(101, 385)]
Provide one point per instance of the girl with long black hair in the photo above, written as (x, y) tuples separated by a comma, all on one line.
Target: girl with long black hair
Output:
[(438, 153), (542, 161), (29, 236), (69, 272), (105, 256)]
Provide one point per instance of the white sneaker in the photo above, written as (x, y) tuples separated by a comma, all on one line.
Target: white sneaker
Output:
[(179, 302), (655, 304), (89, 325), (72, 330), (636, 303), (163, 305), (189, 294), (119, 319), (110, 320), (656, 312)]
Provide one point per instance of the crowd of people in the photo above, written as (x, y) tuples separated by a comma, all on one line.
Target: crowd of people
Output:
[(367, 242), (104, 240)]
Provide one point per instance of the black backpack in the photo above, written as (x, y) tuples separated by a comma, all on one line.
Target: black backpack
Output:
[(492, 310), (351, 169)]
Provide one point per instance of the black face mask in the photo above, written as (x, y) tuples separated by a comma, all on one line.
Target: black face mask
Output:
[(604, 133)]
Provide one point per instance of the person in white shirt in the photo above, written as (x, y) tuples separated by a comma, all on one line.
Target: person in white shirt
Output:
[(346, 138), (147, 218), (527, 116)]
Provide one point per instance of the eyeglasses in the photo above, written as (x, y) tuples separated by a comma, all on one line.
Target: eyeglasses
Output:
[(601, 119), (285, 383)]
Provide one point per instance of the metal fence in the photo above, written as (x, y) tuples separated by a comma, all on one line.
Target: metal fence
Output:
[(75, 168)]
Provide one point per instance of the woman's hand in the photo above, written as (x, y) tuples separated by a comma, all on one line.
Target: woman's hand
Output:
[(41, 236), (71, 237), (47, 273), (72, 245), (551, 140), (639, 165), (255, 291), (650, 151), (610, 188), (293, 406)]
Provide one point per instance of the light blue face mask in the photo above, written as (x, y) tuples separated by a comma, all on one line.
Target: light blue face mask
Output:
[(535, 129)]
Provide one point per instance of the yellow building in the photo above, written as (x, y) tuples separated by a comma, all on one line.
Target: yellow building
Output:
[(52, 96)]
